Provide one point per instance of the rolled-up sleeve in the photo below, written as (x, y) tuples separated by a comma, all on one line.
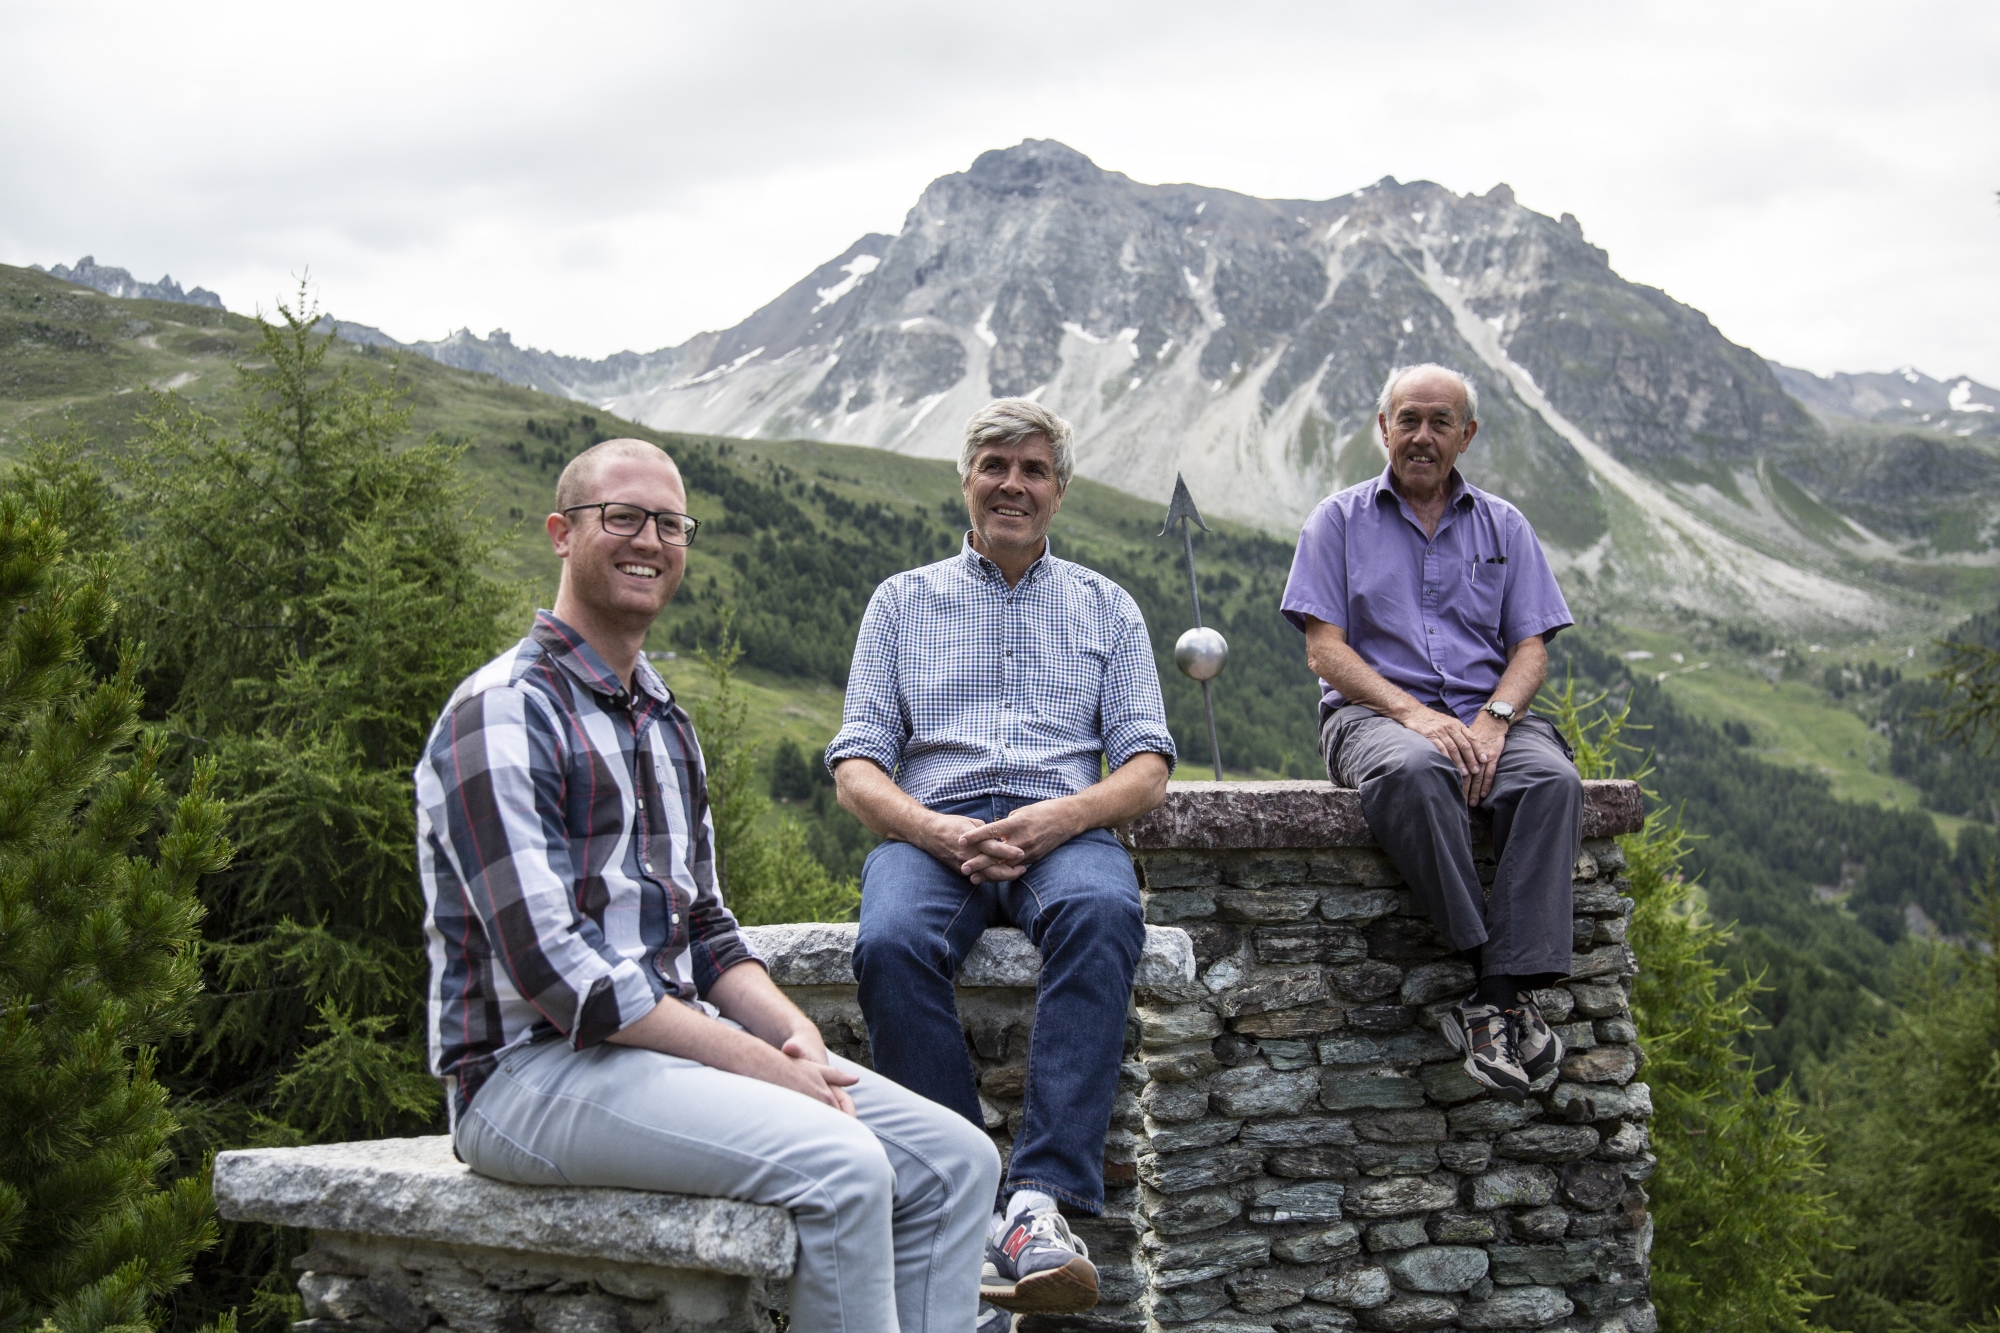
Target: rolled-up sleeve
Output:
[(1317, 585), (497, 759), (874, 722), (1132, 717)]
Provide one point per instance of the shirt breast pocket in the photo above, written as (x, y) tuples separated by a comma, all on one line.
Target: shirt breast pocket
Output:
[(1483, 595), (1073, 668)]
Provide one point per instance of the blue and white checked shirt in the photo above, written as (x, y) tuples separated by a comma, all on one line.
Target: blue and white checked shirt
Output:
[(963, 687), (565, 847)]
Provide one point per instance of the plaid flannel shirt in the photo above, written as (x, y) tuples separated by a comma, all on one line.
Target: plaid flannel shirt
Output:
[(964, 687), (565, 847)]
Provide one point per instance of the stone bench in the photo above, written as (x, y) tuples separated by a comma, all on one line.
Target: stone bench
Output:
[(1293, 1146)]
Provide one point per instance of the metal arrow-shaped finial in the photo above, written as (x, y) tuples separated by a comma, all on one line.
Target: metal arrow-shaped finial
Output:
[(1200, 653)]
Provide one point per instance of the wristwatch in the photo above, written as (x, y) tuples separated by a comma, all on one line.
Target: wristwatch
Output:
[(1501, 709)]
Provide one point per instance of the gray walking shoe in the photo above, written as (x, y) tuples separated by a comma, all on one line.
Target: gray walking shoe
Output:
[(1540, 1049), (1035, 1266), (1484, 1034), (993, 1319)]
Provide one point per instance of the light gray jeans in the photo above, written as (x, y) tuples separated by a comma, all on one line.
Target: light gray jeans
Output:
[(891, 1208)]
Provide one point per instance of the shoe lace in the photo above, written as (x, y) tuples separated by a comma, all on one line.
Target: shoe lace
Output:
[(1051, 1226), (1488, 1033)]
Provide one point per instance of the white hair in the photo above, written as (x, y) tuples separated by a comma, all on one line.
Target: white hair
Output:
[(1011, 420), (1396, 376)]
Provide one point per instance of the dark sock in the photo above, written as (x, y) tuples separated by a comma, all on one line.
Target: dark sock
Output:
[(1495, 989)]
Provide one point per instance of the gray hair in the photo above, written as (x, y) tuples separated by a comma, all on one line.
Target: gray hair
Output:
[(1397, 376), (1011, 420)]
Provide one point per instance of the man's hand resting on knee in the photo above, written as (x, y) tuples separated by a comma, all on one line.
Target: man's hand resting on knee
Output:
[(779, 1045)]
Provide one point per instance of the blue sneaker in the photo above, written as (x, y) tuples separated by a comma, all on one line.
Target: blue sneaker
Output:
[(1035, 1266), (993, 1319)]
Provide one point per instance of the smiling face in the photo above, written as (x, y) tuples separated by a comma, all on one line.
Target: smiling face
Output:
[(1425, 431), (1011, 494), (613, 583)]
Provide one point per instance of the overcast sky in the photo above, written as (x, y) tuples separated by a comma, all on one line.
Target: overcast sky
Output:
[(1819, 178)]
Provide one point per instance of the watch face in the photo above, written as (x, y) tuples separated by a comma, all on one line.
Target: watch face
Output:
[(1501, 710)]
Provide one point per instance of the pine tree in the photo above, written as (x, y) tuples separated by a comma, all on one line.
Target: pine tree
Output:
[(1742, 1221), (98, 921), (314, 587)]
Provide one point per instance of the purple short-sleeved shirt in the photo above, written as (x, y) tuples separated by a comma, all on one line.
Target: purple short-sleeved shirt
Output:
[(1434, 615)]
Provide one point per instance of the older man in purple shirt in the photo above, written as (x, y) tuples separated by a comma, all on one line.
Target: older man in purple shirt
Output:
[(1426, 605)]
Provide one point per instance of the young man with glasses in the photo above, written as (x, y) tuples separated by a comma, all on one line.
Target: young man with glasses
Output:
[(1003, 714), (595, 1015)]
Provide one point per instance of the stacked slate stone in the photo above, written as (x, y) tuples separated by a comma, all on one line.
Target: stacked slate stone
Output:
[(1314, 1156)]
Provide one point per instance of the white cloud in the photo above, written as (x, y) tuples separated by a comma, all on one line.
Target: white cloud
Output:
[(623, 175)]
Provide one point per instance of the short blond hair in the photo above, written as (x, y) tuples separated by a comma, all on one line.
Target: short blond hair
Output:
[(1011, 420), (573, 486)]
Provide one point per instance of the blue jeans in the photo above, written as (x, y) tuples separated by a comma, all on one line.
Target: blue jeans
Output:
[(1079, 905)]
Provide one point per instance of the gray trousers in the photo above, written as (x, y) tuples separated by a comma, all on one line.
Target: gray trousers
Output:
[(1415, 807), (891, 1208)]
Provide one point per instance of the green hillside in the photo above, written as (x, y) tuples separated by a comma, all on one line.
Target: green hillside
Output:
[(1827, 815)]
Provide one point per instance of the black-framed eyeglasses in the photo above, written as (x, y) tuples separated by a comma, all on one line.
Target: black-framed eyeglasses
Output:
[(623, 520)]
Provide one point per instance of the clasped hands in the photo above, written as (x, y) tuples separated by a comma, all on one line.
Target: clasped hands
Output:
[(1004, 849), (1475, 750)]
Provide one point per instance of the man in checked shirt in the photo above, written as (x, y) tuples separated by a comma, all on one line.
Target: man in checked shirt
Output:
[(988, 695), (594, 1013)]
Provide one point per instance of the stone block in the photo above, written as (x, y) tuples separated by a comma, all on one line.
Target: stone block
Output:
[(1317, 1247), (1455, 1226), (332, 1296), (1211, 940), (1358, 1092), (1365, 981), (1302, 1132), (1409, 1314), (1402, 1049), (1449, 979), (1612, 960), (1380, 1018), (1615, 1030), (1285, 1054), (1179, 870), (1598, 1000), (1359, 908), (1516, 1307), (1263, 869), (1309, 943), (1181, 1263), (1171, 1138), (1309, 1021), (1182, 1022), (416, 1189), (1548, 1222), (1326, 1163), (1551, 1265), (1197, 1170), (1388, 1159), (1592, 1186), (1195, 1301), (1604, 1064), (1601, 899), (1625, 1144), (1280, 990), (1314, 1201), (1178, 1064), (1489, 1117), (1263, 1291), (1355, 1285), (1581, 1102), (1386, 1237), (1172, 906), (1576, 1036), (1010, 1081), (1199, 1210), (1465, 1156), (1513, 1186), (1604, 1298), (1174, 1101), (1437, 1268), (1367, 867), (1449, 1084), (1398, 1196), (1556, 1003), (1405, 939), (1610, 855), (1313, 1318), (1416, 1126), (1265, 906), (1547, 1143), (1257, 1091), (1608, 930)]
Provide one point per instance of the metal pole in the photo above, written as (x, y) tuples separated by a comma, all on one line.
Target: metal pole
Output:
[(1214, 747)]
